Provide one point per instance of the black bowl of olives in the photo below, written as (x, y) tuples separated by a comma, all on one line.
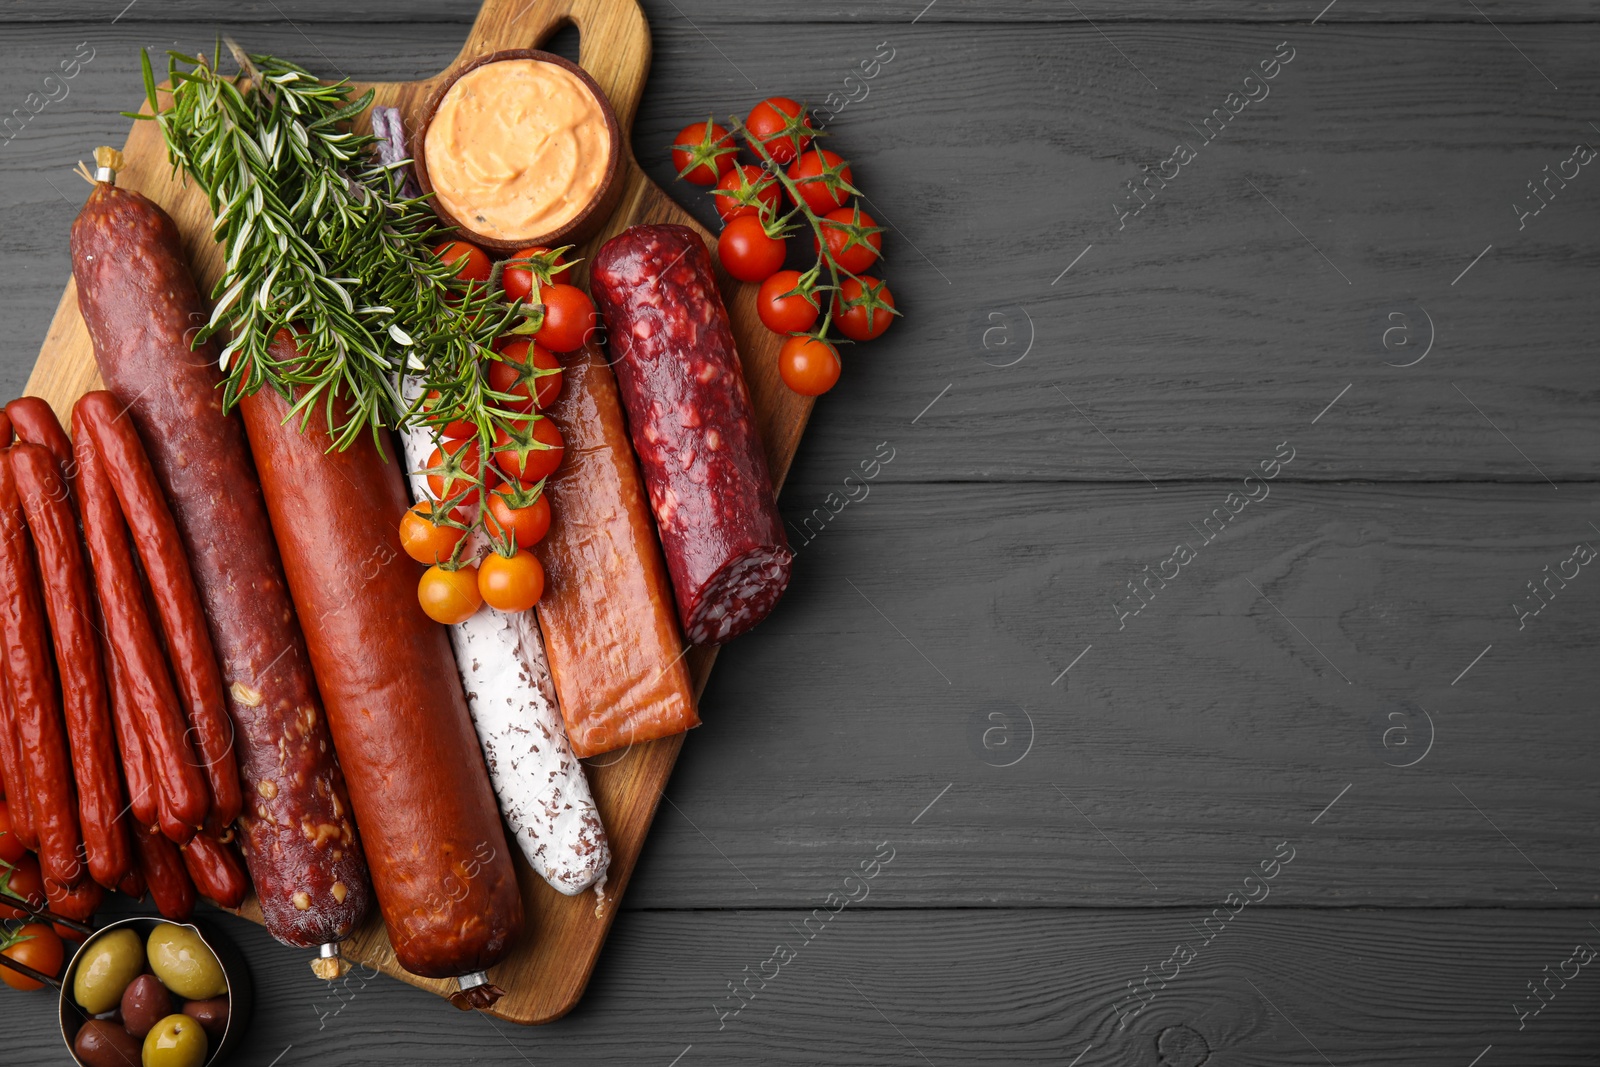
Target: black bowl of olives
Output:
[(148, 992)]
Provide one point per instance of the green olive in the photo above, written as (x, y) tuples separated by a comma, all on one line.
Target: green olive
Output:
[(177, 1041), (183, 963), (108, 965)]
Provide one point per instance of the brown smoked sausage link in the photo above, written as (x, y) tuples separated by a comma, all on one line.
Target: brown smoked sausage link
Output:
[(141, 306), (31, 670), (693, 428), (17, 791), (76, 902), (194, 663), (69, 603), (162, 866), (435, 844), (172, 765), (215, 869)]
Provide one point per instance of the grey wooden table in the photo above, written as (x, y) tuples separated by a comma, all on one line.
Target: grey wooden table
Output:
[(1214, 655)]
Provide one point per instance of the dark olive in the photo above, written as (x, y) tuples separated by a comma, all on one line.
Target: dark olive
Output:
[(144, 1003), (212, 1015), (105, 1044)]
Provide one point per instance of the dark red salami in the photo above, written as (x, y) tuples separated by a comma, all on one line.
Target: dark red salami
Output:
[(693, 428)]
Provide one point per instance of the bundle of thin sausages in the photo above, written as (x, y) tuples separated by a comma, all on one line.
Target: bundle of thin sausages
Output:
[(83, 749)]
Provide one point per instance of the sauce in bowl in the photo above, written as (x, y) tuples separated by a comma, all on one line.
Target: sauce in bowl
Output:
[(517, 149)]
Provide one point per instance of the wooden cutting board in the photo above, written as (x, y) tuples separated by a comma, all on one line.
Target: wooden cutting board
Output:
[(547, 971)]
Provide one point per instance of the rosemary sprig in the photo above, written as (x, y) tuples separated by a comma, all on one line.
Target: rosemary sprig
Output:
[(319, 240)]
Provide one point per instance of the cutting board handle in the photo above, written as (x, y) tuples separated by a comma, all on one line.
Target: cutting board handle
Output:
[(614, 41)]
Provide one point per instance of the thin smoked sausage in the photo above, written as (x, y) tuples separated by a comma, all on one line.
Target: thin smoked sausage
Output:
[(17, 791), (194, 663), (141, 676), (35, 705), (69, 603)]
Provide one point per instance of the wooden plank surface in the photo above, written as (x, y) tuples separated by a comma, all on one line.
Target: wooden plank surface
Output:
[(712, 13), (1254, 332), (1024, 986), (1182, 748)]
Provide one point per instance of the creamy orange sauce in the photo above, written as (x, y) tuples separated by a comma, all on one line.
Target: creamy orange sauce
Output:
[(517, 148)]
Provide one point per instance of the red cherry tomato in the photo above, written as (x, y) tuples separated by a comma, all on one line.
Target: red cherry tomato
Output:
[(808, 366), (449, 597), (703, 152), (456, 428), (851, 251), (471, 264), (518, 282), (569, 315), (528, 524), (807, 175), (514, 375), (37, 946), (457, 467), (512, 583), (785, 314), (11, 849), (518, 456), (423, 540), (747, 252), (767, 122), (24, 880), (862, 323), (746, 176)]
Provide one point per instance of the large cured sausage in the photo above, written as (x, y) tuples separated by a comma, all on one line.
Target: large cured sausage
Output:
[(35, 705), (70, 605), (694, 429), (540, 783), (616, 654), (142, 690), (141, 305), (438, 853)]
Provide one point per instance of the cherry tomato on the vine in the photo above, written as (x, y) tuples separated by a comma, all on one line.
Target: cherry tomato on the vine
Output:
[(449, 597), (871, 316), (11, 849), (747, 252), (520, 283), (850, 248), (808, 366), (749, 179), (512, 583), (518, 455), (785, 314), (703, 152), (515, 374), (456, 428), (457, 467), (471, 264), (36, 946), (528, 524), (823, 180), (569, 315), (768, 122), (24, 880), (424, 541)]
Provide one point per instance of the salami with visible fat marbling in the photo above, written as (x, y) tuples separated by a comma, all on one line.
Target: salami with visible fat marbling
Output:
[(693, 427)]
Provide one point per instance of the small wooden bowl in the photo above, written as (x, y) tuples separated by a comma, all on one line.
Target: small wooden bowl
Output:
[(582, 225)]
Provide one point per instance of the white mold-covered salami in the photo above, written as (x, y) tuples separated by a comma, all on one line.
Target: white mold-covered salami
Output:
[(543, 793)]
